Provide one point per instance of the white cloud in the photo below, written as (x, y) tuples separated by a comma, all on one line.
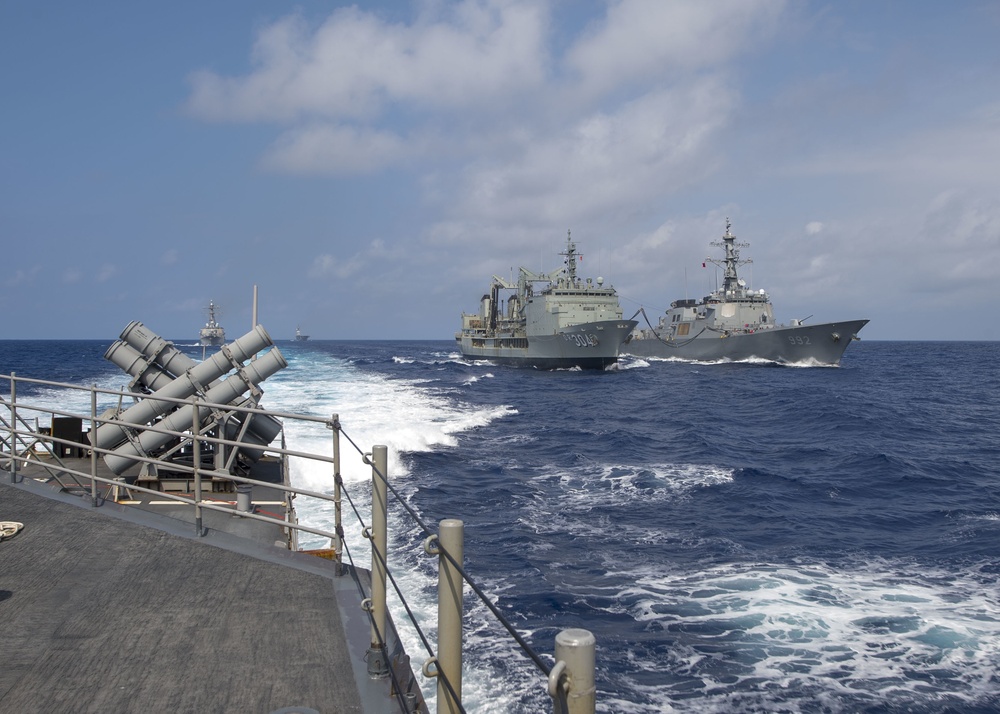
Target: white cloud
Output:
[(650, 39), (329, 266), (474, 83), (933, 259), (957, 243), (336, 150), (24, 277), (604, 161), (813, 227), (962, 150), (354, 64)]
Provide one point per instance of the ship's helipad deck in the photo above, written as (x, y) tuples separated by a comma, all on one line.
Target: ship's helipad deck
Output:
[(121, 609)]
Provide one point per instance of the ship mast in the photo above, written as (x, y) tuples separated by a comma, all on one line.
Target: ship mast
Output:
[(570, 256), (211, 314), (732, 260)]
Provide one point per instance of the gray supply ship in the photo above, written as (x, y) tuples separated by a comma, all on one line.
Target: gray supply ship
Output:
[(737, 323), (567, 323), (212, 334)]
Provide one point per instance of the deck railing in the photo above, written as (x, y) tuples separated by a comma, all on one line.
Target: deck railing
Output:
[(26, 438)]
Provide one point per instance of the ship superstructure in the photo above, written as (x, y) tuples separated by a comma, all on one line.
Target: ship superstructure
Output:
[(566, 322), (736, 323)]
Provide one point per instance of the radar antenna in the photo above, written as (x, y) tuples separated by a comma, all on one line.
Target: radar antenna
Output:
[(732, 259), (571, 257)]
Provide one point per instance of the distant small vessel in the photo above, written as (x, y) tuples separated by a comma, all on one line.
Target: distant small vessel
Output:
[(299, 337), (567, 323), (737, 323), (212, 334)]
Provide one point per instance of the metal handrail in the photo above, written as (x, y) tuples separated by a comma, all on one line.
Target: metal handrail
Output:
[(21, 406), (94, 419)]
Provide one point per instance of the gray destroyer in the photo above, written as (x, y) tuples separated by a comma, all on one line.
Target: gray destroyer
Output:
[(737, 323), (567, 323), (212, 334)]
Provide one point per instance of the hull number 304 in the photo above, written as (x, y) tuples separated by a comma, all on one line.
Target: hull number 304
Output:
[(580, 339)]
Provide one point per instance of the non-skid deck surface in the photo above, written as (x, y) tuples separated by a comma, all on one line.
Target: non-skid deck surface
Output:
[(99, 614)]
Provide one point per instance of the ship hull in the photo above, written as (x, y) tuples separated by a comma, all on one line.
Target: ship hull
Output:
[(213, 341), (588, 345), (804, 344)]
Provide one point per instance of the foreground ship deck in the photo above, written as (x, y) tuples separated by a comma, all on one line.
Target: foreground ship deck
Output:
[(122, 609), (158, 566)]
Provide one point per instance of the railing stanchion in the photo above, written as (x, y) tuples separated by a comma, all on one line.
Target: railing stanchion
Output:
[(338, 526), (571, 682), (378, 665), (196, 464), (13, 428), (451, 538), (93, 447)]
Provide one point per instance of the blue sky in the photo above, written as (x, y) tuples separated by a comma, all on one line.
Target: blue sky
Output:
[(369, 167)]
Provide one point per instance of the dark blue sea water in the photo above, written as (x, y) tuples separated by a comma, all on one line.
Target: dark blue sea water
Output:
[(738, 537)]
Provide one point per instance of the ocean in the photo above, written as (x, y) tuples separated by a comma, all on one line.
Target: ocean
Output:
[(738, 537)]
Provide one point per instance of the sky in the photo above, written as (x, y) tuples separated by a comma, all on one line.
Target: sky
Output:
[(370, 167)]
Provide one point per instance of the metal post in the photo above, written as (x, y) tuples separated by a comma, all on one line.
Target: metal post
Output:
[(338, 527), (93, 447), (195, 461), (244, 498), (378, 667), (451, 537), (219, 457), (571, 682), (13, 428)]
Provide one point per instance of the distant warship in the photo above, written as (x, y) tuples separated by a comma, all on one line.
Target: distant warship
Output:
[(737, 323), (299, 337), (212, 334), (566, 323)]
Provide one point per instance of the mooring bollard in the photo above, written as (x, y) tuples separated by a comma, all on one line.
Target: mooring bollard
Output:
[(571, 682), (244, 497)]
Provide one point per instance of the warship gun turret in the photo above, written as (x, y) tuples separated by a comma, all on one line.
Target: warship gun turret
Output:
[(568, 322), (737, 323)]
